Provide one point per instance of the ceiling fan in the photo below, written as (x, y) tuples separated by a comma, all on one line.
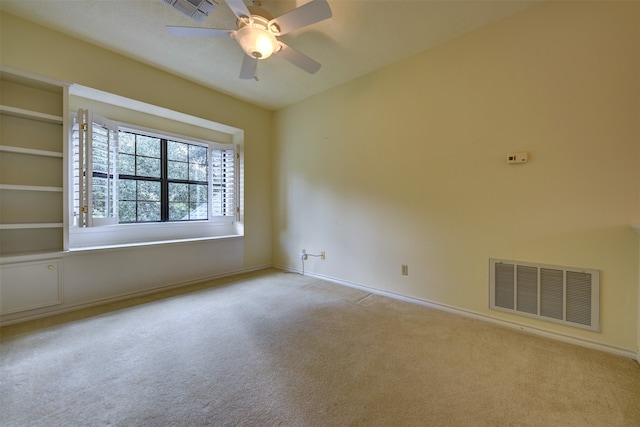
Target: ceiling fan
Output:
[(258, 33)]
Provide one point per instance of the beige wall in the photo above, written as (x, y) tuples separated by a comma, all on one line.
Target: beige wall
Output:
[(407, 165), (33, 48)]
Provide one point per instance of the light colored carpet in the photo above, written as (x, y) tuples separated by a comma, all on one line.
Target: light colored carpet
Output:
[(281, 349)]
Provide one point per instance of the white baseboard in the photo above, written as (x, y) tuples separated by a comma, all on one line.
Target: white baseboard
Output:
[(619, 351), (102, 301), (431, 304)]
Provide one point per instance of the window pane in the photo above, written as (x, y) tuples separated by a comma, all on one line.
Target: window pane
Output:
[(148, 211), (126, 189), (178, 211), (148, 146), (148, 167), (126, 164), (178, 192), (149, 190), (127, 211), (178, 170), (187, 211), (197, 154), (197, 172), (197, 211), (99, 209), (177, 151), (197, 193), (126, 143)]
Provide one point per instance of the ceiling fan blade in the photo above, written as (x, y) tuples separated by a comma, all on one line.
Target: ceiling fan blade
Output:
[(298, 59), (249, 66), (198, 32), (238, 8), (307, 14)]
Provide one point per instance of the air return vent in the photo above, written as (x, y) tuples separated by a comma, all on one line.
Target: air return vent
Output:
[(195, 9), (558, 294)]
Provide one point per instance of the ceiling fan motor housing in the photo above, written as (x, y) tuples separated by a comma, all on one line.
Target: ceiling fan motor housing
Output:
[(254, 36)]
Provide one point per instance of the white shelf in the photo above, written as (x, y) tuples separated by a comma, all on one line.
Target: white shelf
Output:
[(31, 256), (31, 226), (31, 151), (30, 188), (28, 114)]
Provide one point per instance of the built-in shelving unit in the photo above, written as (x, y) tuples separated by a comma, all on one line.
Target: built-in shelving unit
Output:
[(33, 135), (33, 132)]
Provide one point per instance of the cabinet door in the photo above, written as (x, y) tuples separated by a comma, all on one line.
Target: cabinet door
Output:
[(28, 285)]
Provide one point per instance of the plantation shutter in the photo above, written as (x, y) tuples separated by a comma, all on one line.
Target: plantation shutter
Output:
[(223, 169), (97, 146)]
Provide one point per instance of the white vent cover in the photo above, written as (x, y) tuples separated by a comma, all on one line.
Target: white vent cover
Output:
[(195, 9), (558, 294)]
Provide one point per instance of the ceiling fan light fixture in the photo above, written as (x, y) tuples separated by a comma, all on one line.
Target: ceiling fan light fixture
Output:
[(256, 42)]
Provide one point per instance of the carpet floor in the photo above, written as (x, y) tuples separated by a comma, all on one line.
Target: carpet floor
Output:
[(279, 349)]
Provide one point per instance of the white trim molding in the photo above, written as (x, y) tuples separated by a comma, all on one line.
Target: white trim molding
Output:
[(130, 295), (636, 228), (629, 353)]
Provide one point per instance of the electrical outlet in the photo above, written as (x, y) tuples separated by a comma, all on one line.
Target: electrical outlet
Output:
[(405, 270), (304, 255), (520, 157), (322, 255)]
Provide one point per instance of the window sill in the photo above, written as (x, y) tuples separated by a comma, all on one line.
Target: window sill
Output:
[(135, 235), (152, 243)]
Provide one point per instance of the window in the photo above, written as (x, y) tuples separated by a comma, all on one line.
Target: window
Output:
[(161, 180), (125, 175)]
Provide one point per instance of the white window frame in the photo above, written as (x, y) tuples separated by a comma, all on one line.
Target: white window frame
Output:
[(118, 235)]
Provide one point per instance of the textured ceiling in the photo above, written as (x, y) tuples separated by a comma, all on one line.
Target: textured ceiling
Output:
[(362, 36)]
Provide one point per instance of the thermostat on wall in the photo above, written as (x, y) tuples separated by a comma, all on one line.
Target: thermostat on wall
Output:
[(520, 157)]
